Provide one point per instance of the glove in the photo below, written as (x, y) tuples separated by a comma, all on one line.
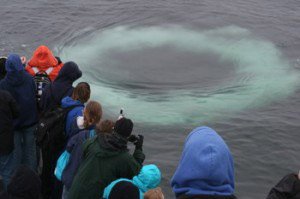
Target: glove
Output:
[(139, 142)]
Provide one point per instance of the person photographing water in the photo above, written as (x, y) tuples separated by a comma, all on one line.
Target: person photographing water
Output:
[(105, 159)]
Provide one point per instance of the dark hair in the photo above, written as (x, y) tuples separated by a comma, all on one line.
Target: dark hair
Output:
[(92, 113), (82, 92), (2, 67), (105, 126)]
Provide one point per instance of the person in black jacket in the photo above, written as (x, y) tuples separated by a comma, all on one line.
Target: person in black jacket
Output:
[(61, 87), (287, 188), (24, 184), (8, 112), (2, 67), (22, 87)]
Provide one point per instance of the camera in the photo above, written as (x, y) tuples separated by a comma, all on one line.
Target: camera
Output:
[(133, 138)]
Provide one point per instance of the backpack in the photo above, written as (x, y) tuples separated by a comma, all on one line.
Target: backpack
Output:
[(41, 79), (50, 132)]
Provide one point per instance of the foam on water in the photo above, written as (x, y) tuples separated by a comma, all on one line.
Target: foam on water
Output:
[(261, 75)]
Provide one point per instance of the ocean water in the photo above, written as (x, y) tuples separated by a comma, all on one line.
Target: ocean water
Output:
[(174, 65)]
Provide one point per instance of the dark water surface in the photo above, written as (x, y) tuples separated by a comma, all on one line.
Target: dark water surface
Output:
[(264, 140)]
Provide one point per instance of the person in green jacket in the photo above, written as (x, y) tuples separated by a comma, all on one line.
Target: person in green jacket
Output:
[(105, 159)]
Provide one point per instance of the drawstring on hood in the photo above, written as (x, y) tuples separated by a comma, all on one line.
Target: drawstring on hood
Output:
[(206, 166)]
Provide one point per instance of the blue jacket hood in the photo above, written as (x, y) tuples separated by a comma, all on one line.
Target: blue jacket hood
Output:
[(68, 101), (15, 70), (69, 72), (13, 63), (206, 166)]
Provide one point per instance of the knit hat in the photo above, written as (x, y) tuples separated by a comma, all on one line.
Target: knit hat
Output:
[(123, 127), (124, 190)]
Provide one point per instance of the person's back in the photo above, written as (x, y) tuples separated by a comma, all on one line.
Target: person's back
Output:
[(80, 95), (8, 111), (60, 87), (22, 87), (206, 167), (43, 60), (105, 159)]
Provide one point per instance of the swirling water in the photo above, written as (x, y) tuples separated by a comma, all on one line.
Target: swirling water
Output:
[(174, 65)]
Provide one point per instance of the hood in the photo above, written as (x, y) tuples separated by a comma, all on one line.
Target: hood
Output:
[(68, 101), (111, 144), (206, 166), (25, 184), (148, 178), (43, 58), (69, 72), (15, 70), (13, 63)]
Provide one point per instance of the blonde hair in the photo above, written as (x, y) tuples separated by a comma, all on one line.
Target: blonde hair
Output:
[(154, 194)]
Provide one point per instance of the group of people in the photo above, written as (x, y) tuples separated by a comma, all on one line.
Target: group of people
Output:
[(55, 144)]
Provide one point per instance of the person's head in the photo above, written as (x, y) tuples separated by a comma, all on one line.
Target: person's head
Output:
[(124, 190), (206, 166), (43, 58), (82, 92), (123, 127), (92, 113), (154, 194), (2, 67), (25, 184), (13, 63), (70, 72), (148, 178), (105, 126)]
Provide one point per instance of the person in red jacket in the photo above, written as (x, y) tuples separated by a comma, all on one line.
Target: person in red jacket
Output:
[(44, 67)]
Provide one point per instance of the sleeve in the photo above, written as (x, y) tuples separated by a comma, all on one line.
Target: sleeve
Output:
[(130, 168), (287, 187), (139, 156)]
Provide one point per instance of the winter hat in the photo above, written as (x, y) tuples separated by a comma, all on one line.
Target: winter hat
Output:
[(123, 127), (124, 190), (13, 63), (25, 184), (148, 178)]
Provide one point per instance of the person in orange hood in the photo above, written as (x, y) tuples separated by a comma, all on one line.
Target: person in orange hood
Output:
[(44, 68), (44, 60)]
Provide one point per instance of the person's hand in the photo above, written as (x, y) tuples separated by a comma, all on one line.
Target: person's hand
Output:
[(139, 142), (23, 60)]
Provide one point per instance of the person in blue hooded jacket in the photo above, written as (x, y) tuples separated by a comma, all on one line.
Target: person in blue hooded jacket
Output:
[(206, 167), (81, 94), (61, 87), (22, 87), (148, 178)]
